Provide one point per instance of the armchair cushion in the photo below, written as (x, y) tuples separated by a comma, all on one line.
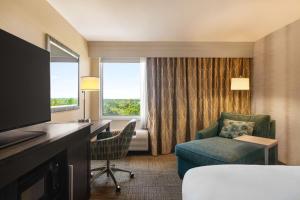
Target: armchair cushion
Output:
[(218, 150), (208, 132), (262, 122)]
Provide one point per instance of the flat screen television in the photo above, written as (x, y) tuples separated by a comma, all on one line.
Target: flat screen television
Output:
[(24, 83)]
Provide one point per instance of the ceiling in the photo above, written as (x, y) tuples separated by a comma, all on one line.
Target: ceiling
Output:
[(177, 20)]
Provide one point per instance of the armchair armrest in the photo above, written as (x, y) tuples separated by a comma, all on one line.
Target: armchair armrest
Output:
[(272, 129), (208, 132)]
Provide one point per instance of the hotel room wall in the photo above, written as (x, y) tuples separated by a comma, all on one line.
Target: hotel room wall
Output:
[(276, 87), (170, 49), (31, 20), (94, 101), (163, 49)]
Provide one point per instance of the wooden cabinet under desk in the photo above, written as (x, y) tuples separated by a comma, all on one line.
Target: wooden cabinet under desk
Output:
[(57, 162)]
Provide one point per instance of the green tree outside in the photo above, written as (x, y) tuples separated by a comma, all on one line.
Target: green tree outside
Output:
[(63, 101), (123, 107), (111, 107)]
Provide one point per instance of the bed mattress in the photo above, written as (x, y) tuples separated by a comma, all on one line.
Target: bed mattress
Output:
[(242, 182)]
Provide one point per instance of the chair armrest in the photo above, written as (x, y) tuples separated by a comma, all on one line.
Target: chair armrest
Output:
[(211, 131), (108, 141), (105, 143), (102, 149)]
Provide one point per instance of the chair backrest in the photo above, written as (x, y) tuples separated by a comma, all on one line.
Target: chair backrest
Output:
[(125, 138), (264, 126)]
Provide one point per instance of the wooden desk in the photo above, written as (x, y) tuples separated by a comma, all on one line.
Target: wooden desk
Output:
[(72, 139), (22, 160), (267, 143), (99, 126)]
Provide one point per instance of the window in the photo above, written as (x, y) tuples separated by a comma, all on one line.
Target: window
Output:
[(64, 76), (121, 88)]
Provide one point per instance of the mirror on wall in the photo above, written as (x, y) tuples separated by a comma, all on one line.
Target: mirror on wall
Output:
[(64, 76)]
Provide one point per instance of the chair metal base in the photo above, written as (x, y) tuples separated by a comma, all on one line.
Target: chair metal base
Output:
[(109, 171)]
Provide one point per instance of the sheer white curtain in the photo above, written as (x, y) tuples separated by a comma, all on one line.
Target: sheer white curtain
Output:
[(144, 98)]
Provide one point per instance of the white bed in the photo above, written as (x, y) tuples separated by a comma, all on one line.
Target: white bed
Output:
[(242, 182)]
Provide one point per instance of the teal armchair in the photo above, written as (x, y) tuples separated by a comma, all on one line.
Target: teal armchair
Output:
[(210, 149)]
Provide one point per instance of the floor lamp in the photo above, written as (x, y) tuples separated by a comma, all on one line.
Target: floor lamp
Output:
[(88, 84), (240, 84)]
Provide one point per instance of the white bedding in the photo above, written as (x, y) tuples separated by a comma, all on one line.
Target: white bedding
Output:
[(242, 182)]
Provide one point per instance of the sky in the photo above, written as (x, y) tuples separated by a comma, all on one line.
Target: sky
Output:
[(121, 80), (64, 80)]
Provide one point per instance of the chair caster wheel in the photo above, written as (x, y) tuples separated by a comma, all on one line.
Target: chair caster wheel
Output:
[(131, 175), (118, 188)]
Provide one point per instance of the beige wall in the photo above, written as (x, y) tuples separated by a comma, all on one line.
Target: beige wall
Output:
[(170, 49), (95, 106), (31, 20), (276, 87), (162, 49)]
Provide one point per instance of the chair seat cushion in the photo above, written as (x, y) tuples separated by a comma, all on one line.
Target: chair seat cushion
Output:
[(218, 150)]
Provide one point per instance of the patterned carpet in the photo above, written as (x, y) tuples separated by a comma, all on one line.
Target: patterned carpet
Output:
[(155, 178)]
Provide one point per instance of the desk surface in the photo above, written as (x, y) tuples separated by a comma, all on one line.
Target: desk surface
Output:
[(54, 132), (99, 126)]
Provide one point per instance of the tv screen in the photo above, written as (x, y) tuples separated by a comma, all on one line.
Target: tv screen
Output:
[(24, 83)]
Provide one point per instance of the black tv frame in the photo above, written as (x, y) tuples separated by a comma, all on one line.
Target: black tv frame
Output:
[(12, 135)]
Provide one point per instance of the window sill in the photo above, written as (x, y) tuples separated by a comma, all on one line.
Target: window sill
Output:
[(120, 118), (64, 108)]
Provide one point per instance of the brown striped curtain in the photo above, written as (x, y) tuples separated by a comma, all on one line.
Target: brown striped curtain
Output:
[(188, 94)]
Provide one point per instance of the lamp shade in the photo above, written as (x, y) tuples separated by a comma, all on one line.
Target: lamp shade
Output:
[(90, 83), (240, 84)]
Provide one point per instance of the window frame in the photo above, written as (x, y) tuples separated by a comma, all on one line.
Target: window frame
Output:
[(114, 60), (49, 40)]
